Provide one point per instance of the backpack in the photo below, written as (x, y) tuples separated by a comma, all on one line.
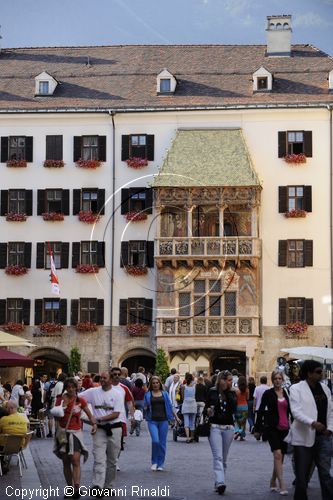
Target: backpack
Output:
[(48, 397)]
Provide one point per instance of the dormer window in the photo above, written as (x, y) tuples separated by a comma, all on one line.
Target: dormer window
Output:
[(45, 84), (262, 83), (262, 80), (43, 87), (165, 85), (166, 82)]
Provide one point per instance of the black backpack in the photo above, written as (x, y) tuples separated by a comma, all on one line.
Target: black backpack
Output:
[(48, 397)]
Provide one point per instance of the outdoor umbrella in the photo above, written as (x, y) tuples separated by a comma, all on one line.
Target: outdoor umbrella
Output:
[(8, 340), (9, 358), (322, 354)]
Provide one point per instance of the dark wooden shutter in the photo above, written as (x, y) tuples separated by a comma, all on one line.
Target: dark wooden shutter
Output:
[(54, 148), (100, 312), (102, 148), (40, 201), (282, 144), (26, 311), (123, 312), (150, 147), (283, 199), (64, 255), (4, 149), (3, 255), (65, 201), (74, 312), (38, 311), (282, 311), (149, 201), (283, 245), (77, 147), (308, 253), (27, 255), (40, 256), (101, 201), (309, 311), (124, 201), (76, 246), (125, 147), (101, 254), (148, 313), (28, 201), (4, 201), (308, 198), (150, 253), (308, 143), (29, 149), (124, 254), (76, 201), (3, 307), (63, 312)]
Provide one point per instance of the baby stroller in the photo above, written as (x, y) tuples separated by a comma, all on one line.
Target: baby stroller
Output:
[(179, 428)]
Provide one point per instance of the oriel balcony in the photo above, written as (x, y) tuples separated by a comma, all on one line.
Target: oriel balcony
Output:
[(214, 326)]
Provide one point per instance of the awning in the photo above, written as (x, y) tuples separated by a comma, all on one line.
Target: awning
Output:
[(207, 157), (8, 340), (9, 358)]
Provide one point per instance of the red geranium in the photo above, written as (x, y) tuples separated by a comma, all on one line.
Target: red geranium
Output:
[(136, 216), (88, 163), (54, 163), (295, 158), (136, 270), (53, 216), (16, 270), (13, 217), (17, 163), (88, 216), (296, 327), (135, 162), (86, 326), (49, 327), (87, 268), (137, 329), (13, 327), (295, 213)]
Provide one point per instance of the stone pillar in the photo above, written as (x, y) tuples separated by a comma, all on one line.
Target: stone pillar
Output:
[(221, 219), (254, 220), (189, 221)]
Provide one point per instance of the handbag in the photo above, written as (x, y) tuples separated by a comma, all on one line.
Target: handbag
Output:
[(61, 433), (203, 428), (58, 411)]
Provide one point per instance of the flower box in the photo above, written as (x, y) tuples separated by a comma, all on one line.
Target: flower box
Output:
[(54, 163), (295, 214), (12, 217), (137, 329), (136, 216), (53, 216), (13, 327), (296, 328), (88, 163), (87, 268), (135, 162), (16, 270), (17, 163), (88, 216), (50, 327), (136, 270), (295, 158), (86, 326)]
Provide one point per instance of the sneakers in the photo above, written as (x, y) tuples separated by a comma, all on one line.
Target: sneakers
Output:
[(153, 467), (160, 468), (221, 489)]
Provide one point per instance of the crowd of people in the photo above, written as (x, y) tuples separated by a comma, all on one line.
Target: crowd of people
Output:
[(227, 403)]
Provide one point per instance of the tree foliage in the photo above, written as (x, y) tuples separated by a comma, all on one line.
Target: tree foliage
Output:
[(162, 367), (74, 365)]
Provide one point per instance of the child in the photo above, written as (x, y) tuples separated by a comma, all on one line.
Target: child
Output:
[(136, 421)]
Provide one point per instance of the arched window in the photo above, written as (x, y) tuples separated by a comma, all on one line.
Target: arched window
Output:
[(278, 26), (285, 26)]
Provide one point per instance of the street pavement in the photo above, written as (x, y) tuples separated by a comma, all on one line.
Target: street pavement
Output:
[(188, 472)]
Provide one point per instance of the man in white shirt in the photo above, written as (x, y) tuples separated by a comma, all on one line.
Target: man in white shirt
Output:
[(169, 379), (258, 392), (17, 391), (107, 404)]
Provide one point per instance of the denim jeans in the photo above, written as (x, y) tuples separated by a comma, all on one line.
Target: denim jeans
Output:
[(220, 441), (320, 453), (158, 432), (189, 420)]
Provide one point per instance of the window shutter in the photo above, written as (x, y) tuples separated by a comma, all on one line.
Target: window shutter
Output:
[(28, 201), (40, 201), (77, 147), (26, 311), (124, 201), (282, 144), (309, 311), (282, 311), (3, 255), (308, 144), (148, 313), (149, 201), (65, 201), (308, 253), (102, 148), (76, 201), (38, 311), (75, 254), (4, 201), (29, 149), (125, 147), (64, 255), (101, 201), (2, 311), (63, 311), (54, 147), (4, 149), (40, 257), (123, 312), (100, 312), (283, 199), (124, 254), (74, 312), (308, 198), (150, 253), (27, 255), (101, 254), (283, 252), (150, 147)]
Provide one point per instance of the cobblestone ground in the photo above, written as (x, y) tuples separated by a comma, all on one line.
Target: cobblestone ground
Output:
[(188, 471)]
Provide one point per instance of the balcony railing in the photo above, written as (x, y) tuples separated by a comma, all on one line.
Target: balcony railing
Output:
[(208, 326)]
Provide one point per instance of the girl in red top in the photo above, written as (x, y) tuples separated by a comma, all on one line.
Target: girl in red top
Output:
[(242, 394)]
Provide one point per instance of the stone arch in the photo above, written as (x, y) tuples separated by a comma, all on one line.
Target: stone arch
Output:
[(50, 353), (140, 356)]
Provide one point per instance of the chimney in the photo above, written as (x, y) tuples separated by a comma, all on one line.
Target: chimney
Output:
[(278, 35)]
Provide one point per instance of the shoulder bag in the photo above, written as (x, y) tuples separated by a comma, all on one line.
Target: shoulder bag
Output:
[(61, 435)]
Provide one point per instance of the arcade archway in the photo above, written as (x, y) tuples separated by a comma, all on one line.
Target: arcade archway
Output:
[(48, 360), (228, 360), (138, 357)]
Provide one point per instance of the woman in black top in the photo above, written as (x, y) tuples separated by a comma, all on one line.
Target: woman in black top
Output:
[(250, 418), (220, 407)]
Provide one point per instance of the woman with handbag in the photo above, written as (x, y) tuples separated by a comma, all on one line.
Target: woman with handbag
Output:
[(68, 445), (220, 408), (189, 407)]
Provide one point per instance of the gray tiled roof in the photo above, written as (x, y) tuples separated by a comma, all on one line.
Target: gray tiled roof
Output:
[(125, 76)]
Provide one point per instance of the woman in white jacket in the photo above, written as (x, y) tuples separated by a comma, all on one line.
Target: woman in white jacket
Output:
[(311, 430)]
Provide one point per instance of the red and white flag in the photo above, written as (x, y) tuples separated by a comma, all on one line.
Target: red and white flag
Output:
[(54, 278)]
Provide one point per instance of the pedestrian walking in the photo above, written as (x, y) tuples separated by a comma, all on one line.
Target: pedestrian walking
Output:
[(250, 417), (136, 420), (174, 391), (189, 407), (201, 392), (273, 422), (220, 408), (138, 392), (242, 395)]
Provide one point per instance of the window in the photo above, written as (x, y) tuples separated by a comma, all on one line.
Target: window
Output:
[(51, 312), (295, 198), (16, 201), (165, 85), (295, 142), (137, 145), (207, 299), (137, 200), (53, 200), (295, 309), (89, 200), (43, 87), (89, 252), (135, 310), (16, 253), (90, 147), (230, 304), (56, 248), (262, 83), (54, 149), (295, 253), (88, 310), (17, 148), (15, 310), (137, 253)]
